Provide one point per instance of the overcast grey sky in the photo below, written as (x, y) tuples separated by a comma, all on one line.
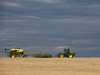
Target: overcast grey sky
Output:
[(50, 26)]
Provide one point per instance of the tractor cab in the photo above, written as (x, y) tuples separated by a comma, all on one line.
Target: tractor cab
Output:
[(66, 51)]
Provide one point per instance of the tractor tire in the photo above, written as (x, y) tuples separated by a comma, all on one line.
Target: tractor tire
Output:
[(25, 56), (12, 55), (70, 56), (35, 55), (61, 55)]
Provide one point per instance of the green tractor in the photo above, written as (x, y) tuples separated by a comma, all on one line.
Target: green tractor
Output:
[(66, 53)]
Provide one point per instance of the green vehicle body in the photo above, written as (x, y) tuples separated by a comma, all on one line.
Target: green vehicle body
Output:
[(66, 53)]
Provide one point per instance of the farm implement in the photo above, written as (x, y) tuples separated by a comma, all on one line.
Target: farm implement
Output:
[(17, 52)]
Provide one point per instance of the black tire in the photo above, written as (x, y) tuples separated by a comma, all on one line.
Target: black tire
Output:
[(70, 55), (61, 55), (25, 56), (12, 55)]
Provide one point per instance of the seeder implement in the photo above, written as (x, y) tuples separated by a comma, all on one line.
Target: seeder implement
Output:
[(16, 52)]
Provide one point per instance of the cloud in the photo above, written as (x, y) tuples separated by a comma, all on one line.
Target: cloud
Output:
[(49, 1), (86, 49), (61, 47), (9, 4), (63, 6), (82, 41), (34, 17), (93, 6), (12, 20)]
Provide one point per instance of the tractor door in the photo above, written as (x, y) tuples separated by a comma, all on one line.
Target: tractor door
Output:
[(66, 52)]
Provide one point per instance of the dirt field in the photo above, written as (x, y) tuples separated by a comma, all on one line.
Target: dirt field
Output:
[(49, 66)]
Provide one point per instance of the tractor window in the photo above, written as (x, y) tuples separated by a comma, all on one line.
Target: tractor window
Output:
[(65, 50)]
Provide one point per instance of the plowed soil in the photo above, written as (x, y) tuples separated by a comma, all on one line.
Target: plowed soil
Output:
[(49, 66)]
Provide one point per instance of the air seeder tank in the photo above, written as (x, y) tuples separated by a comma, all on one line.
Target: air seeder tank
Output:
[(15, 52)]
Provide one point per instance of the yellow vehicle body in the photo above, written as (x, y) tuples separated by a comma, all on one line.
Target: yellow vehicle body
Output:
[(16, 51)]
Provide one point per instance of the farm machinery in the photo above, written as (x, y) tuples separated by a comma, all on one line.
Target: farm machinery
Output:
[(17, 52), (14, 52), (43, 55), (66, 53)]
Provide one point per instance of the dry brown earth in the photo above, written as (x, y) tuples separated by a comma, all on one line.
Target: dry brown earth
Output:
[(49, 66)]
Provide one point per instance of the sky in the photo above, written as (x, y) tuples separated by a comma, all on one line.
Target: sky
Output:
[(50, 26)]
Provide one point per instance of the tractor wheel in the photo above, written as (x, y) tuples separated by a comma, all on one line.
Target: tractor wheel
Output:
[(49, 57), (12, 55), (61, 55), (70, 55), (24, 56), (35, 55)]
